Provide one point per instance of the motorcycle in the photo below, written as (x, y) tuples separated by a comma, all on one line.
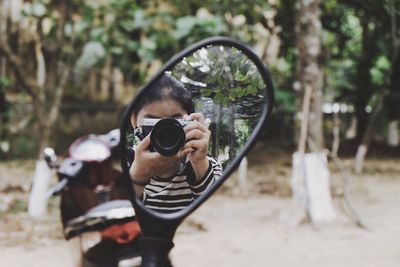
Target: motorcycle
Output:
[(98, 219)]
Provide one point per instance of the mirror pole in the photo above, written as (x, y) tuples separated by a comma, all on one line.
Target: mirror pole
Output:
[(155, 251), (156, 239)]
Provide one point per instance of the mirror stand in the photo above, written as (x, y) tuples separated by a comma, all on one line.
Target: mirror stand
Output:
[(156, 240), (156, 251)]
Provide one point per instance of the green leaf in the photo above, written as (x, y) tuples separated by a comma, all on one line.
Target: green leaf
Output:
[(184, 26), (38, 9), (117, 50)]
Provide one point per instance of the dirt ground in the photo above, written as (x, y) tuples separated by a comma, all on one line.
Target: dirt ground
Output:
[(236, 227)]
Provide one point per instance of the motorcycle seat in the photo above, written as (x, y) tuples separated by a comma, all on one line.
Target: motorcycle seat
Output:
[(101, 217)]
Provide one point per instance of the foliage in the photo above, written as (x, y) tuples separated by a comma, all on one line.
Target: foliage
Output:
[(136, 37), (137, 34), (358, 53), (229, 91), (225, 75)]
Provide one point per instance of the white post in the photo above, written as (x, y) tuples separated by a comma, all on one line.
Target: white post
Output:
[(352, 130), (242, 178), (360, 156), (37, 205), (393, 138), (299, 207), (311, 190), (320, 204)]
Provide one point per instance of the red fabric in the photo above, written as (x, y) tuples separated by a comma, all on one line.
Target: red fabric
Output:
[(122, 233)]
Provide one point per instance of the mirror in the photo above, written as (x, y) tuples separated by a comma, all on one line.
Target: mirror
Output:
[(188, 128)]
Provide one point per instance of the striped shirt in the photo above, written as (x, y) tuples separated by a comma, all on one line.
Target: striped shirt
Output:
[(180, 191)]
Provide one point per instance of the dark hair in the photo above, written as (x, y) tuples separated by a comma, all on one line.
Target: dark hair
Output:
[(165, 88)]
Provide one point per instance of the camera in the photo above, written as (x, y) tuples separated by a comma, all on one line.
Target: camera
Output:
[(167, 135)]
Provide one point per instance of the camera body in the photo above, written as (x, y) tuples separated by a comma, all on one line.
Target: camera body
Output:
[(167, 135)]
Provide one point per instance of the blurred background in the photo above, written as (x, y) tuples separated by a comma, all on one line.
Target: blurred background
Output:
[(68, 68)]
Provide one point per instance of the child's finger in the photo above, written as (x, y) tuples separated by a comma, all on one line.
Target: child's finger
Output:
[(144, 144), (196, 144), (195, 125), (195, 134), (197, 117), (186, 151)]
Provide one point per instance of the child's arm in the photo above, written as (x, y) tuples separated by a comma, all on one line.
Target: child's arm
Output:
[(147, 164), (212, 174), (196, 147)]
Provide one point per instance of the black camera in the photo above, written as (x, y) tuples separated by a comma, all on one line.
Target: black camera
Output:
[(167, 135)]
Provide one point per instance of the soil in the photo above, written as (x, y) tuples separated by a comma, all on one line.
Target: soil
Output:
[(237, 226)]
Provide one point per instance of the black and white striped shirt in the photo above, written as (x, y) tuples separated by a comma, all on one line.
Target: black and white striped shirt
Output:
[(178, 192)]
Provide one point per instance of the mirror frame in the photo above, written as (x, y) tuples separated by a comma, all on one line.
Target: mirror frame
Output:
[(219, 40)]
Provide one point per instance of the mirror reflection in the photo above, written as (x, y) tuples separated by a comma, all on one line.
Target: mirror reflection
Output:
[(188, 126)]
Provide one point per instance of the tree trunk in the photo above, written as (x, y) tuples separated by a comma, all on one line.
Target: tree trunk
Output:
[(310, 178), (216, 130), (4, 123), (232, 137), (394, 84), (336, 134), (47, 117), (363, 83), (309, 72), (368, 135)]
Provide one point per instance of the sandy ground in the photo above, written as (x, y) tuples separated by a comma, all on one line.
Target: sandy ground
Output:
[(250, 232), (244, 228)]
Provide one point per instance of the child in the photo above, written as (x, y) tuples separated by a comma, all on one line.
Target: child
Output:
[(155, 177)]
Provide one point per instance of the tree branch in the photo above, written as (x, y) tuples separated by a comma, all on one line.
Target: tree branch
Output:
[(16, 65), (58, 95), (394, 37)]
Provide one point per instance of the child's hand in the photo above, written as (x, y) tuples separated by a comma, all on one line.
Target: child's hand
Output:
[(196, 147), (148, 164)]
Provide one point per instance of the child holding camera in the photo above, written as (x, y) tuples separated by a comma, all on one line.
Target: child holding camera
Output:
[(157, 178)]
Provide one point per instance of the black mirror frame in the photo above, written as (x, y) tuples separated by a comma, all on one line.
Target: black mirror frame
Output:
[(177, 217)]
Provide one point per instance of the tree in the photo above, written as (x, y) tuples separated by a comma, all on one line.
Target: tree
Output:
[(37, 44), (310, 184), (309, 74), (39, 57)]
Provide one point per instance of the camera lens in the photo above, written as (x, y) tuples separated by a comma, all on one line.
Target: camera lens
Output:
[(167, 137)]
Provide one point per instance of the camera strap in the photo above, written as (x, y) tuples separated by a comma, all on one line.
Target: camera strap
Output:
[(184, 169)]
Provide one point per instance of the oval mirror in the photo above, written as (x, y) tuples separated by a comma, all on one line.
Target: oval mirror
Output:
[(191, 124)]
